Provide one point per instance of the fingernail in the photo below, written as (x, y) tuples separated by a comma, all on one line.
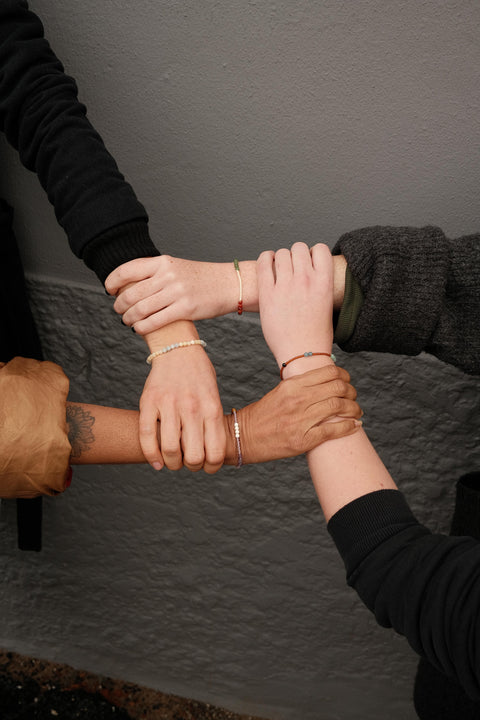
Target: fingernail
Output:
[(358, 423), (156, 466)]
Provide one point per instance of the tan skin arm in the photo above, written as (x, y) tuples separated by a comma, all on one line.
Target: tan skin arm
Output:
[(288, 421)]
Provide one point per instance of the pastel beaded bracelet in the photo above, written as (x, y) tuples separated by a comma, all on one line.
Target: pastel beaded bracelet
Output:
[(169, 348)]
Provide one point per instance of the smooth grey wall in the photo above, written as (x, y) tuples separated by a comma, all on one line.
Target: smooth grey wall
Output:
[(244, 126), (249, 125)]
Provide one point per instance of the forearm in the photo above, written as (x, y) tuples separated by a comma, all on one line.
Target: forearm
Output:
[(343, 469), (346, 469), (106, 435), (43, 119)]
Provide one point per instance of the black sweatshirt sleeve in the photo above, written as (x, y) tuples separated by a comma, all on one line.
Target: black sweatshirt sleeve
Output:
[(421, 292), (42, 118), (425, 586)]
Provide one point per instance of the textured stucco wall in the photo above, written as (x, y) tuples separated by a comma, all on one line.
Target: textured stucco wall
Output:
[(225, 588), (245, 126)]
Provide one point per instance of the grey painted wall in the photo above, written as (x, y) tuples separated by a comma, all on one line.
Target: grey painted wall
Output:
[(248, 125), (245, 126)]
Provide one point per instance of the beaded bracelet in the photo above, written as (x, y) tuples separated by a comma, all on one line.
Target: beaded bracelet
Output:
[(169, 348), (240, 300), (305, 354), (236, 428)]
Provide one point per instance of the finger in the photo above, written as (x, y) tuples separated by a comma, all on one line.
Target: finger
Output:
[(332, 431), (158, 320), (338, 407), (192, 442), (215, 444), (315, 401), (335, 388), (135, 293), (265, 271), (170, 434), (146, 307), (322, 259), (283, 264), (148, 432), (301, 258), (333, 407), (350, 409), (129, 272), (321, 375)]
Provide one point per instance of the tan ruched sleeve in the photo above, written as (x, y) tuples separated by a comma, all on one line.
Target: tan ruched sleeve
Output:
[(34, 447)]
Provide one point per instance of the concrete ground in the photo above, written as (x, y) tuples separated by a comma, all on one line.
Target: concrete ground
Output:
[(32, 689)]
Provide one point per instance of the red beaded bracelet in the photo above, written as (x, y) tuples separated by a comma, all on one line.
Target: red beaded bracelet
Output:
[(240, 301), (305, 354)]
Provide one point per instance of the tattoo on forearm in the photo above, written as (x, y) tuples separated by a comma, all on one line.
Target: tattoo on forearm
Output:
[(79, 427)]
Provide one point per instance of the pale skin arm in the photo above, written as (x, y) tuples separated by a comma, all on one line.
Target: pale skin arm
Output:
[(181, 390), (180, 408), (165, 289), (296, 302), (287, 421)]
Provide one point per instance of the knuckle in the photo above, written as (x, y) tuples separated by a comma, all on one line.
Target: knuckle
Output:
[(214, 412), (173, 463), (216, 457), (195, 458), (170, 449), (211, 469), (142, 327), (322, 433), (191, 405), (339, 387), (142, 308), (148, 430), (333, 372), (334, 404), (344, 374), (119, 276)]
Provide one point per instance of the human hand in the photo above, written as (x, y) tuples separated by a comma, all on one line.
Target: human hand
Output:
[(294, 417), (154, 292), (296, 300), (181, 393)]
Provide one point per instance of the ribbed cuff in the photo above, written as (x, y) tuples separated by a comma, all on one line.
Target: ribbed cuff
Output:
[(466, 517), (117, 246), (365, 523), (350, 310)]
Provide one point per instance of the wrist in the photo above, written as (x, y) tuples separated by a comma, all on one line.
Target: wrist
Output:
[(248, 272), (179, 331), (304, 364), (231, 448), (231, 452), (339, 270)]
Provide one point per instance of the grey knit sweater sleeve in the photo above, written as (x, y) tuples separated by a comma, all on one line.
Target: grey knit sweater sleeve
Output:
[(421, 293)]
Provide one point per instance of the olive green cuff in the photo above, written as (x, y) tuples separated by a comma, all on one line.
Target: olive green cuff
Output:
[(350, 310)]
